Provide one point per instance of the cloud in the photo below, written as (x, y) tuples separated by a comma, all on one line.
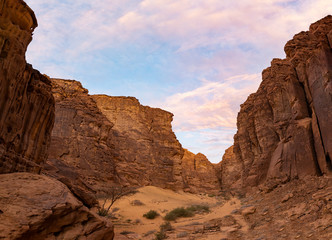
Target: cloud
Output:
[(212, 105), (195, 46)]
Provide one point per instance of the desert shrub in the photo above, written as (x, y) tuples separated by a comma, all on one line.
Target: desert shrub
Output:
[(177, 213), (152, 214), (186, 212), (102, 212), (211, 195), (112, 194), (160, 235), (166, 226), (199, 208), (136, 203)]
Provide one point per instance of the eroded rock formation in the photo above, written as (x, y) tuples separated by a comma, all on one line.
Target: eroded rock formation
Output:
[(81, 138), (32, 206), (150, 151), (26, 102), (284, 129), (38, 207), (198, 174), (109, 140)]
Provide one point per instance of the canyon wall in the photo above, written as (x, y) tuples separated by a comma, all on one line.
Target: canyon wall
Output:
[(198, 174), (26, 102), (285, 128), (32, 206), (109, 140)]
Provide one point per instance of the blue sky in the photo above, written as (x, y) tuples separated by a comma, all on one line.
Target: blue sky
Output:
[(198, 59)]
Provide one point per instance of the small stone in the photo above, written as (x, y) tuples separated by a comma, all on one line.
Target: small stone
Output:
[(248, 211), (287, 197)]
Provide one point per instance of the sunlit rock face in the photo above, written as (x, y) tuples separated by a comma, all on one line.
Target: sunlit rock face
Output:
[(285, 128), (150, 152), (199, 174), (26, 102), (117, 140)]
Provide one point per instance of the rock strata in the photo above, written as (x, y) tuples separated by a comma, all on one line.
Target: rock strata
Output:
[(81, 138), (198, 174), (32, 206), (145, 140), (109, 140), (26, 102), (284, 129)]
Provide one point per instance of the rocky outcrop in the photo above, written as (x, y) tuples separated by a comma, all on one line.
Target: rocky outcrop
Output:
[(109, 140), (198, 174), (81, 139), (26, 102), (228, 170), (32, 206), (284, 129), (38, 207), (146, 142)]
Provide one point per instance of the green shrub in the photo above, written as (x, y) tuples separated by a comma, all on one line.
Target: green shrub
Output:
[(161, 235), (152, 214), (186, 212), (199, 208), (177, 213)]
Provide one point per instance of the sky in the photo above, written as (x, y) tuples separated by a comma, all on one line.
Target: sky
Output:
[(199, 59)]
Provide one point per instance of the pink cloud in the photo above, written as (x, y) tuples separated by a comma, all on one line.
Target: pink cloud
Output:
[(212, 105)]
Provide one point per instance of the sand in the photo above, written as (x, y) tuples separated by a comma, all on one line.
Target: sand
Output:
[(130, 217)]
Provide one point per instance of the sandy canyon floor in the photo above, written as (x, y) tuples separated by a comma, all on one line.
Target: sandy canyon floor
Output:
[(301, 209)]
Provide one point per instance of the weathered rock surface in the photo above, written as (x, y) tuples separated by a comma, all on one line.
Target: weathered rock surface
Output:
[(26, 102), (81, 138), (198, 174), (284, 129), (150, 151), (229, 174), (117, 140), (38, 207), (32, 206)]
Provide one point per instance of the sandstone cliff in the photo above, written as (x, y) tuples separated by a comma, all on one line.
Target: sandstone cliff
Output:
[(32, 206), (107, 140), (26, 102), (199, 174), (284, 129), (150, 151)]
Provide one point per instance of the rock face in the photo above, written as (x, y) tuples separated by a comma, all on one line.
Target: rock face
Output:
[(32, 206), (81, 137), (107, 140), (146, 142), (38, 207), (230, 176), (26, 102), (198, 174), (284, 129)]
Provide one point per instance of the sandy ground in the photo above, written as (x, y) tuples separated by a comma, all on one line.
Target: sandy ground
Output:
[(130, 217)]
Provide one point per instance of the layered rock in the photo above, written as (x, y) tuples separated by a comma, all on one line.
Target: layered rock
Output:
[(284, 129), (32, 206), (26, 102), (109, 140), (150, 152), (38, 207), (229, 174), (81, 139), (198, 174)]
